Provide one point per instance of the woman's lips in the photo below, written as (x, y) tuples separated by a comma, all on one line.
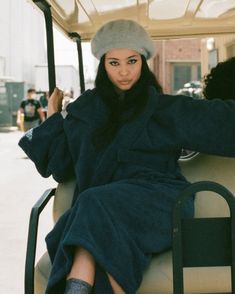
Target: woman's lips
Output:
[(124, 82)]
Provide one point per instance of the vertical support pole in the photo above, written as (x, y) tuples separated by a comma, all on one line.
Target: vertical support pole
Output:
[(77, 39), (45, 7), (178, 276), (232, 213)]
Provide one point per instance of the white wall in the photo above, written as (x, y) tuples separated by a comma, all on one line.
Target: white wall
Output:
[(22, 39), (23, 44)]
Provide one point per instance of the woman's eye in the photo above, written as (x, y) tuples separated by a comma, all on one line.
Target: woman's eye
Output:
[(132, 61), (113, 63)]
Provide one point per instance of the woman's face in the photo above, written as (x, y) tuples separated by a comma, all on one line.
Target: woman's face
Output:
[(123, 67)]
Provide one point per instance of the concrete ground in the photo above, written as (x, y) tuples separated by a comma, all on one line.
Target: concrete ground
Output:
[(21, 186)]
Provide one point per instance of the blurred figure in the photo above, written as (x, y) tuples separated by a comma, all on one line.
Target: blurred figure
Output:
[(67, 98), (192, 89), (44, 102), (220, 82), (30, 112)]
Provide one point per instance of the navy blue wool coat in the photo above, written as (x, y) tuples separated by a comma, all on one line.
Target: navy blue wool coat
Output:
[(126, 192)]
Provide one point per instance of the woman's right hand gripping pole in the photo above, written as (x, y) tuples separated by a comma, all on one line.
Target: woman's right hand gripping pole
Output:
[(55, 102)]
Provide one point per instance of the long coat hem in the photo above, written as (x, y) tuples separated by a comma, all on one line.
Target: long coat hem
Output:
[(109, 269)]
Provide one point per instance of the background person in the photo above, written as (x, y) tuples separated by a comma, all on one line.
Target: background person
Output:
[(121, 141), (67, 98), (30, 111), (43, 100), (220, 82)]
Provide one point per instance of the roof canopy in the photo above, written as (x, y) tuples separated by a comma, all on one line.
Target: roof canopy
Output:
[(161, 18)]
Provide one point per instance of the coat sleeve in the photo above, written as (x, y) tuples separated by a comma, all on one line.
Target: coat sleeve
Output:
[(206, 126), (46, 145)]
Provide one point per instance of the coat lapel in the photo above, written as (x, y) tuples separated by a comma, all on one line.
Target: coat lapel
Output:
[(88, 108), (125, 138)]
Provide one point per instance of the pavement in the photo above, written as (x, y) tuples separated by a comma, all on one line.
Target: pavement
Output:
[(21, 186)]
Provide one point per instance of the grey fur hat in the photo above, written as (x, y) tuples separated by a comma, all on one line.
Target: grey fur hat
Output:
[(122, 33)]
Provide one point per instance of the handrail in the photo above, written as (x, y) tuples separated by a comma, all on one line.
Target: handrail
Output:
[(32, 239), (46, 9), (75, 37)]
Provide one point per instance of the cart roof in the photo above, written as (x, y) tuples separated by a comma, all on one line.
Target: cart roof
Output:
[(161, 18)]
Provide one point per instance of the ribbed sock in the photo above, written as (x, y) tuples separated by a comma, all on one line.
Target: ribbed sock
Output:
[(77, 286)]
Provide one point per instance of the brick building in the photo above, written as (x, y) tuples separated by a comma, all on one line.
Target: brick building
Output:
[(177, 62), (216, 49)]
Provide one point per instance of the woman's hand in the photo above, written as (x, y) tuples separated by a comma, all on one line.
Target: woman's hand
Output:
[(55, 102)]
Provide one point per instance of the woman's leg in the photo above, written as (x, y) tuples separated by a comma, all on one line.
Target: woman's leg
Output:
[(84, 269), (116, 288), (81, 277), (83, 266)]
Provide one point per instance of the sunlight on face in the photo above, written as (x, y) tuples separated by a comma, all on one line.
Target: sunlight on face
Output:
[(123, 67)]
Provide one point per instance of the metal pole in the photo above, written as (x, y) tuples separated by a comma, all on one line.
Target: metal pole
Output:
[(46, 9), (75, 37)]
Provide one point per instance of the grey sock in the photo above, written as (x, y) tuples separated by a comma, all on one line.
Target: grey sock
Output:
[(76, 286)]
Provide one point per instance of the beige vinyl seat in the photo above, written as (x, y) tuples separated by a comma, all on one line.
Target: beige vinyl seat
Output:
[(158, 278)]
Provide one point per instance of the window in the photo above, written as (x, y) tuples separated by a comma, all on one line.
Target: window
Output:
[(183, 73)]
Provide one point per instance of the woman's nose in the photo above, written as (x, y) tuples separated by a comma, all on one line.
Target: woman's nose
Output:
[(123, 71)]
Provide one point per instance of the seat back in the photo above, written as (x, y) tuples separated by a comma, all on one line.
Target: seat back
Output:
[(210, 168), (63, 198), (200, 167)]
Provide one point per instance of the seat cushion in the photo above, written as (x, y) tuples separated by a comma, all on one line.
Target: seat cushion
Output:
[(158, 277)]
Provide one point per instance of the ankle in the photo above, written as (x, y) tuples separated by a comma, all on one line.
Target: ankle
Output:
[(77, 286)]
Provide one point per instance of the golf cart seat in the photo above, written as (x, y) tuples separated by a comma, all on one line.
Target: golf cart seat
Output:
[(158, 278)]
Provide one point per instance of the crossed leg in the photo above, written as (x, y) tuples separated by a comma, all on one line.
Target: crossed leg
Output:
[(83, 268)]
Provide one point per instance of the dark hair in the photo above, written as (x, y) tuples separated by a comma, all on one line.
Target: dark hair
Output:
[(132, 104), (31, 90), (220, 82)]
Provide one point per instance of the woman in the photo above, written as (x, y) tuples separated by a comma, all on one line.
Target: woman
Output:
[(121, 141)]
